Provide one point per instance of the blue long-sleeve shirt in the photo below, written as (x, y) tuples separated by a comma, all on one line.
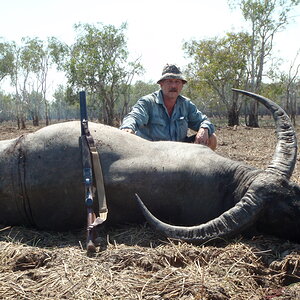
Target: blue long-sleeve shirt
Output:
[(149, 118)]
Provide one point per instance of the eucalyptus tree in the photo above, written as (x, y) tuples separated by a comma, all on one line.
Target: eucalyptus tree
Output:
[(9, 68), (7, 110), (61, 108), (6, 59), (31, 63), (99, 63), (6, 107), (266, 17), (26, 65), (218, 64), (16, 80), (38, 57), (137, 90), (291, 84), (35, 106)]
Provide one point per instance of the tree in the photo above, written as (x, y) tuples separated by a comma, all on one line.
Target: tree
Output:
[(38, 57), (6, 107), (6, 60), (15, 78), (266, 17), (35, 106), (27, 65), (218, 65), (25, 79), (61, 108), (33, 88), (98, 63), (137, 90), (290, 83)]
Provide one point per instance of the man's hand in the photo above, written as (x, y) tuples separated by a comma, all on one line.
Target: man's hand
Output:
[(202, 136), (128, 130)]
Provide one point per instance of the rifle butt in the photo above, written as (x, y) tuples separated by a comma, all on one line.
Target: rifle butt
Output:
[(90, 245)]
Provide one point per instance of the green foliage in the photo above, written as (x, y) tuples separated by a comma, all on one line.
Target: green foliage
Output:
[(219, 60), (273, 90), (59, 52), (266, 19), (98, 63), (97, 55), (268, 15), (6, 59), (32, 54), (140, 89), (61, 107), (6, 107), (218, 65)]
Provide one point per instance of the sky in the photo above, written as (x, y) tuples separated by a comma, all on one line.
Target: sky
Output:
[(156, 29)]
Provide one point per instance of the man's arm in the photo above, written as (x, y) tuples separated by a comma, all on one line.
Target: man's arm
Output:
[(198, 120), (202, 136), (137, 117), (128, 130), (200, 123)]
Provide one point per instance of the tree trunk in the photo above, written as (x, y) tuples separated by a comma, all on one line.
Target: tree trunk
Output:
[(233, 118), (46, 112), (35, 120), (293, 108), (23, 123), (109, 108), (110, 117), (234, 113), (253, 115)]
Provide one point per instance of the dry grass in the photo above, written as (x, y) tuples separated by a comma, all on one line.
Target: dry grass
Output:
[(54, 266), (136, 263)]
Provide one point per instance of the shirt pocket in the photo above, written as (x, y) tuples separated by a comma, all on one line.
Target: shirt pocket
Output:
[(182, 128), (159, 130)]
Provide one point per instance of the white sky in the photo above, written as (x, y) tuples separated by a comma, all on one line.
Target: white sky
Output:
[(156, 28)]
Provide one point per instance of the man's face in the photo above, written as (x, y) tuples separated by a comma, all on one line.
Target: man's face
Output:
[(171, 88)]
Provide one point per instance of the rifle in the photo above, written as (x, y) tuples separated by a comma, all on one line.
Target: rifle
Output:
[(90, 159)]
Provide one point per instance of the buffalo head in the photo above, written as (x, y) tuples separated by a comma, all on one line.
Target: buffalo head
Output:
[(270, 203)]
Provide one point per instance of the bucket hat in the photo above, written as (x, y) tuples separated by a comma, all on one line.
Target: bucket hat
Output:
[(171, 72)]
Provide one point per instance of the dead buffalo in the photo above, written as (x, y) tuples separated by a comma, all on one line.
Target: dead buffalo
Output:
[(41, 183)]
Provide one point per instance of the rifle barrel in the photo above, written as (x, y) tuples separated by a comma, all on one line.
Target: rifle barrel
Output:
[(83, 110)]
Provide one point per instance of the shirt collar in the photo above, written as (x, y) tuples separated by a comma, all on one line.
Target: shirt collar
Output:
[(160, 98)]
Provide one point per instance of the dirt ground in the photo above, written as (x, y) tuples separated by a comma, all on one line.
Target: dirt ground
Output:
[(135, 263)]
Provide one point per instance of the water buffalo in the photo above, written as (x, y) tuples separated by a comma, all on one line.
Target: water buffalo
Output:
[(184, 184)]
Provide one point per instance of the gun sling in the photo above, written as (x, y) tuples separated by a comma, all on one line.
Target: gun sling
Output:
[(99, 187), (99, 182)]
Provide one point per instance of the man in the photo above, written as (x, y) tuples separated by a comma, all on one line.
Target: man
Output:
[(166, 115)]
